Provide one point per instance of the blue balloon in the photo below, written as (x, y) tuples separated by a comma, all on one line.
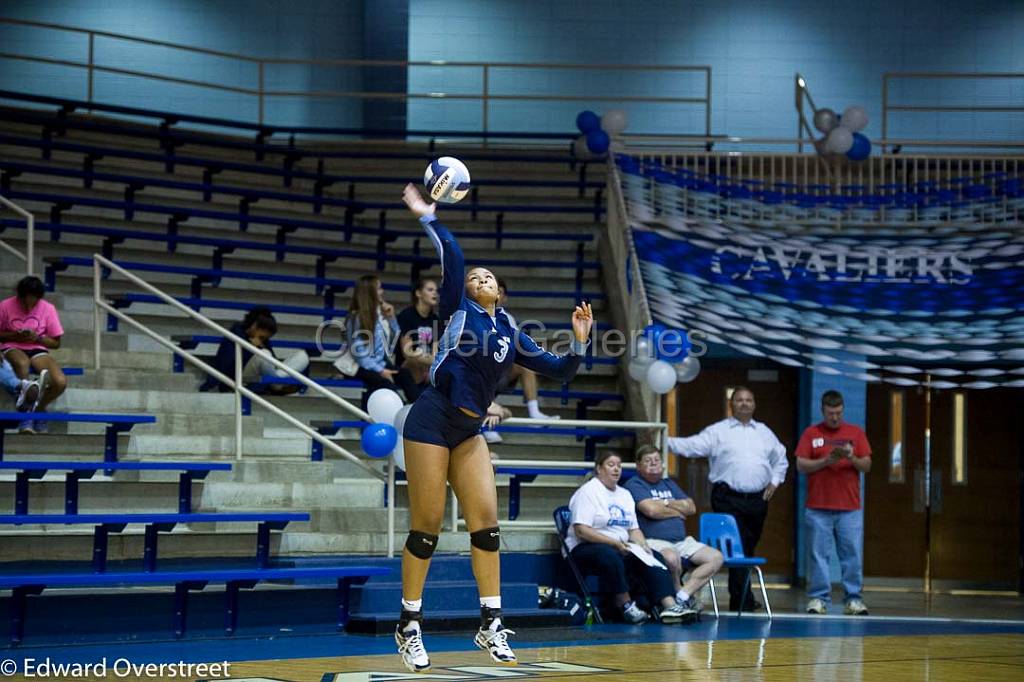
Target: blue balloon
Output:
[(587, 120), (861, 148), (379, 439), (598, 141), (672, 346)]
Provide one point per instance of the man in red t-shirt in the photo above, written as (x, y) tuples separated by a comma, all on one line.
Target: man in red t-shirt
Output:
[(833, 455)]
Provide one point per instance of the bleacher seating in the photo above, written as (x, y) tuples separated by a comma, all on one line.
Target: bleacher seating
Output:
[(302, 262), (23, 585), (28, 470), (115, 424)]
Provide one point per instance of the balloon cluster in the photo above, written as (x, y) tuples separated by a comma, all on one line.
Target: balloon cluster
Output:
[(384, 436), (662, 359), (597, 132), (842, 133)]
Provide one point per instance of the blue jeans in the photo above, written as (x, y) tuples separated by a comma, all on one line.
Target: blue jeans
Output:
[(844, 532), (8, 379)]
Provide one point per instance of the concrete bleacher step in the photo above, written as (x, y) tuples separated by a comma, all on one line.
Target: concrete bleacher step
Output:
[(83, 357), (326, 227), (227, 495), (116, 379), (68, 543), (58, 446), (100, 494), (122, 400), (167, 424), (149, 445)]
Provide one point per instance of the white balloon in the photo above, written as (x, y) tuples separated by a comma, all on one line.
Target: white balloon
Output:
[(399, 451), (579, 148), (401, 416), (638, 369), (839, 140), (687, 370), (661, 377), (644, 350), (825, 120), (614, 122), (854, 118), (383, 406)]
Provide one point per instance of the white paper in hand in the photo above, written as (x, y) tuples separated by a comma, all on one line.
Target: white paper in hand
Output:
[(644, 556)]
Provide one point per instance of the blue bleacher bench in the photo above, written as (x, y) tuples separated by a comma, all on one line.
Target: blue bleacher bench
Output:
[(27, 470), (235, 579), (221, 247), (328, 287), (116, 424), (156, 523), (211, 167), (126, 300), (249, 196)]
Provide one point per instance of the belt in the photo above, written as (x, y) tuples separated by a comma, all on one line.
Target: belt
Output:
[(738, 493)]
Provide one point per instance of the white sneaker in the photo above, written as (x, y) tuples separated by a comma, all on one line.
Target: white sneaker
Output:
[(677, 613), (27, 396), (633, 614), (541, 415), (817, 606), (495, 642), (410, 647), (492, 437), (44, 383), (856, 607)]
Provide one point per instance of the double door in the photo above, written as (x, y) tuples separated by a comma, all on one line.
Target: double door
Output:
[(942, 500)]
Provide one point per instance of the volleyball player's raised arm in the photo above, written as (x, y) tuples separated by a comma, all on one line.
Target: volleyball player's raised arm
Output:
[(453, 262)]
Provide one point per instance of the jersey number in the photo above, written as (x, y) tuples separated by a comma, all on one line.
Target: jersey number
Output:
[(499, 355)]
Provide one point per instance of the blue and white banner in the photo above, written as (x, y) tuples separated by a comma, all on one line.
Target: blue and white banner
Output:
[(943, 302)]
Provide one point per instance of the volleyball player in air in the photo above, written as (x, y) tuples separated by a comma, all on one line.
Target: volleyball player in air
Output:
[(442, 434)]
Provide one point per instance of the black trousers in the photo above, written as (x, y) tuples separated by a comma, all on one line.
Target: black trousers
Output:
[(749, 509), (615, 571)]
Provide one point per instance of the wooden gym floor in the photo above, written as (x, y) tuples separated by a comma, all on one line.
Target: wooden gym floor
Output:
[(986, 642)]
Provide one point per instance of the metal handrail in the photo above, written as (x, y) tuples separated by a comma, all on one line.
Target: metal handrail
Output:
[(261, 93), (938, 75), (100, 263), (30, 233)]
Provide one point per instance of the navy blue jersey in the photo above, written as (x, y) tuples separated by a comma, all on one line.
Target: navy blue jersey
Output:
[(476, 350)]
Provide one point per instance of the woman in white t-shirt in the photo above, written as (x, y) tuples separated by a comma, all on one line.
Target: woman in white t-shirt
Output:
[(603, 528)]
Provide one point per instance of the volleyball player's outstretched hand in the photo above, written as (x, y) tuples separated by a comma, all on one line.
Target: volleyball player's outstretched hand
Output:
[(582, 321), (416, 203)]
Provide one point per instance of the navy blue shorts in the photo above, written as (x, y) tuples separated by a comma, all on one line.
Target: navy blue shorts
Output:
[(434, 420)]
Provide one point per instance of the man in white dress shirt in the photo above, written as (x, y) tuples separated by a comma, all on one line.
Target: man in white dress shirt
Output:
[(747, 464)]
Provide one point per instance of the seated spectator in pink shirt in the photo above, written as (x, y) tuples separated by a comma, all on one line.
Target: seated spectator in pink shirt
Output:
[(29, 329)]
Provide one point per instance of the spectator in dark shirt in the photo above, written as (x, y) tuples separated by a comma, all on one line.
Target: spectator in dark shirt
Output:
[(257, 327), (418, 327), (662, 508)]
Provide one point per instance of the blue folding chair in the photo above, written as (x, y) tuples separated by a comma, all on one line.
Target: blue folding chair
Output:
[(563, 518), (721, 532)]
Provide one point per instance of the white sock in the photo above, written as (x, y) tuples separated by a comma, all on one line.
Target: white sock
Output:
[(492, 603), (682, 596), (533, 409)]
